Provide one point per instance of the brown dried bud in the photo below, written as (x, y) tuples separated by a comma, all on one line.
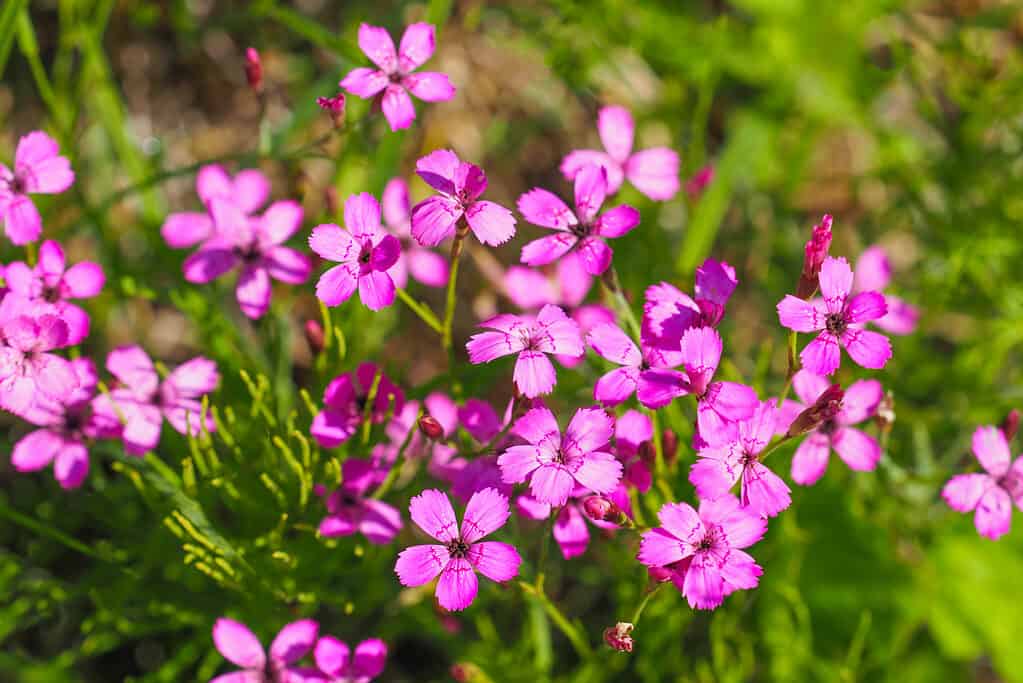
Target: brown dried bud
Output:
[(885, 416), (254, 70), (430, 427), (823, 409), (314, 335), (619, 637), (1010, 425), (669, 446)]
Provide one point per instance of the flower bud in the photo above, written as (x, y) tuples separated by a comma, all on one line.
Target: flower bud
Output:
[(823, 409), (659, 574), (816, 251), (699, 182), (335, 106), (669, 446), (314, 335), (646, 452), (254, 70), (619, 637), (430, 427), (1010, 425), (711, 313), (600, 509)]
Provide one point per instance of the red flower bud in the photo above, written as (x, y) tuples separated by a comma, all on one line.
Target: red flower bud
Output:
[(823, 409), (254, 70), (646, 452), (1010, 425), (816, 252), (618, 637), (430, 428), (600, 509), (335, 106), (669, 446), (314, 335), (699, 182), (659, 574)]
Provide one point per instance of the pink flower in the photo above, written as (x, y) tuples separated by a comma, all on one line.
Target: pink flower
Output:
[(425, 266), (530, 288), (581, 230), (344, 400), (364, 251), (991, 492), (394, 79), (335, 660), (860, 451), (551, 332), (463, 553), (255, 244), (38, 169), (249, 190), (52, 282), (555, 465), (570, 530), (351, 511), (28, 372), (874, 273), (654, 172), (633, 434), (240, 646), (668, 313), (460, 185), (718, 468), (143, 401), (64, 428), (815, 251), (703, 550), (835, 319), (644, 372)]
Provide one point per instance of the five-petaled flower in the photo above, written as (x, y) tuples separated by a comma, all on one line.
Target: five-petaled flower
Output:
[(350, 510), (242, 648), (334, 659), (248, 189), (395, 78), (38, 169), (463, 552), (991, 492), (582, 229), (28, 371)]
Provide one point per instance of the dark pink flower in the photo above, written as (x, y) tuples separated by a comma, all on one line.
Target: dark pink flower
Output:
[(38, 169), (254, 69), (699, 182), (425, 266), (816, 251), (351, 510), (581, 230), (633, 434), (394, 79), (668, 313), (644, 372), (345, 400), (654, 172)]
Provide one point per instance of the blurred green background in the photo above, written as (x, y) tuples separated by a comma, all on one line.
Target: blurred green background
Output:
[(903, 119)]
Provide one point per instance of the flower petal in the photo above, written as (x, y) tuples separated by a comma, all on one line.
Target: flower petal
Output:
[(253, 291), (534, 374), (869, 349), (397, 107), (434, 219), (486, 512), (287, 265), (654, 172), (992, 450), (993, 513), (238, 644), (616, 386), (811, 459), (376, 290), (491, 223), (377, 44), (616, 129), (430, 86), (294, 641), (859, 451), (457, 586), (338, 284), (365, 82), (416, 47), (835, 282), (332, 656), (571, 532), (866, 306), (552, 484), (432, 512), (704, 587), (617, 221), (963, 491), (497, 561), (596, 255), (822, 356), (799, 315)]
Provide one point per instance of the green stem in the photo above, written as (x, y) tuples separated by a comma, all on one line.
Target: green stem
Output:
[(570, 630), (771, 447), (449, 306), (642, 605), (420, 309), (57, 535), (613, 286), (548, 530), (367, 412), (392, 476)]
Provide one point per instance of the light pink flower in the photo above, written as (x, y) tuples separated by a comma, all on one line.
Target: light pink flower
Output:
[(38, 169), (835, 319), (425, 266), (344, 400), (249, 190), (531, 288), (394, 79), (52, 282), (351, 510), (255, 244), (240, 646), (556, 464), (581, 230), (991, 492), (143, 401), (463, 552), (28, 372), (703, 550), (364, 251), (874, 273), (551, 332), (460, 185), (718, 468), (335, 660), (859, 450), (668, 313), (654, 171)]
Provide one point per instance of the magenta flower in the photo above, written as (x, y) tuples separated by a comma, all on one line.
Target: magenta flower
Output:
[(394, 79), (551, 332), (256, 245), (835, 319), (63, 430), (555, 465), (718, 468), (874, 273), (344, 401), (644, 372), (28, 372), (632, 430), (859, 450), (335, 660), (364, 251), (570, 529), (52, 282), (668, 313), (463, 552), (425, 266), (992, 492), (249, 190), (582, 229), (143, 401), (38, 169), (703, 550), (240, 646), (654, 172), (460, 185), (351, 511)]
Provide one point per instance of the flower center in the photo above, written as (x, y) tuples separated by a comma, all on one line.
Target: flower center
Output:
[(51, 294), (17, 185), (828, 427), (366, 254), (248, 254), (582, 230), (836, 324), (458, 549)]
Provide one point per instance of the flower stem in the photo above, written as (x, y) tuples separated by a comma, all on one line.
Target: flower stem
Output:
[(643, 603), (771, 447), (613, 286), (392, 475), (793, 367), (548, 530), (420, 309), (449, 308), (570, 630)]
